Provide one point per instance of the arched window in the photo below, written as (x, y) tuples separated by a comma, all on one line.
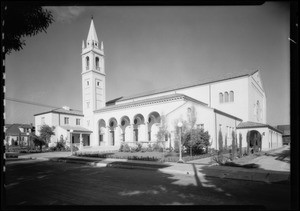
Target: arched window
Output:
[(97, 63), (231, 96), (221, 97), (87, 61), (226, 97)]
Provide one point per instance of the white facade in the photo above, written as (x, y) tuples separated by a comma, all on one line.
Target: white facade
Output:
[(66, 123)]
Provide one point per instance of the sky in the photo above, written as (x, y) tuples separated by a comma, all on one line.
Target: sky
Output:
[(152, 47)]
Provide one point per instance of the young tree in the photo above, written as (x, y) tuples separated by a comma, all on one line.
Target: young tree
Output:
[(46, 132), (38, 141), (220, 139), (196, 140), (163, 133), (233, 151), (21, 20), (248, 142), (240, 139)]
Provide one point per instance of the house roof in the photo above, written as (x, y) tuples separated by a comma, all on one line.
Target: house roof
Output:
[(76, 129), (226, 114), (249, 124), (204, 80), (150, 100), (285, 128), (63, 111), (13, 129)]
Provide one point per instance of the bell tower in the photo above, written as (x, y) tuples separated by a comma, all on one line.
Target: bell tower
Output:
[(93, 75)]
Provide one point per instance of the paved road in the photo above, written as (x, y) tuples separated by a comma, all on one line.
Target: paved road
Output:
[(34, 182)]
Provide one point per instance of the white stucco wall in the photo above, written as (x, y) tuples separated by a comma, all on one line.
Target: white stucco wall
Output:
[(270, 139), (256, 93), (226, 124), (239, 107)]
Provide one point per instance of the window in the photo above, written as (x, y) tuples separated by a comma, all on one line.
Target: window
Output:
[(87, 61), (77, 121), (226, 97), (98, 83), (66, 120), (97, 63), (231, 96), (87, 83), (87, 104), (221, 97)]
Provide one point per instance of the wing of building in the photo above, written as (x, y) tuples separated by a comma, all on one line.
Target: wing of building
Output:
[(220, 105)]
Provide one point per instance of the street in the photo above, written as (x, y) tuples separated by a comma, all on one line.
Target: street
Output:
[(35, 182)]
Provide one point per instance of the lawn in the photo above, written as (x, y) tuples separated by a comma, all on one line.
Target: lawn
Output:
[(146, 156)]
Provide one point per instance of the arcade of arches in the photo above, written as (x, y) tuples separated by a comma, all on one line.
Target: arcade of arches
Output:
[(126, 129)]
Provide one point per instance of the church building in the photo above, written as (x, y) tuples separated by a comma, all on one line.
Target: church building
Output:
[(220, 105)]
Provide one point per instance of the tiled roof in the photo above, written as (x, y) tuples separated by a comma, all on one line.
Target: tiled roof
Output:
[(149, 100), (76, 128), (113, 101), (13, 129), (249, 124), (63, 111), (202, 81)]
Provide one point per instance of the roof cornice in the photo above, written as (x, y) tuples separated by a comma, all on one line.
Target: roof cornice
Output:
[(157, 100)]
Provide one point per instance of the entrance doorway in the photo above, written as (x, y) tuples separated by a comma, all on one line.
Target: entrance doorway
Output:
[(254, 141)]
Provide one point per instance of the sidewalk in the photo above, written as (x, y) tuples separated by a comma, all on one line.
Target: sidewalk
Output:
[(200, 168)]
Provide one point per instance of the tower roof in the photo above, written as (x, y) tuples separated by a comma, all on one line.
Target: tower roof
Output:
[(92, 36)]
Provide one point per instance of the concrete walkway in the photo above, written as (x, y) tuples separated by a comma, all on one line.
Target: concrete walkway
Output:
[(267, 171)]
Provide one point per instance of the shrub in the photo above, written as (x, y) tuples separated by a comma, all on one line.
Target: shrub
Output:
[(126, 148), (121, 148), (133, 148), (139, 147), (143, 149), (149, 148), (156, 147)]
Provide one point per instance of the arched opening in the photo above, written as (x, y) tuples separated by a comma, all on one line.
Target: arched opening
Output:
[(138, 120), (87, 61), (254, 141), (221, 97), (101, 131), (226, 97), (125, 121), (231, 96), (153, 123), (97, 63), (112, 126)]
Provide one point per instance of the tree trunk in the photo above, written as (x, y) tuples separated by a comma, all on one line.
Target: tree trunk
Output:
[(191, 151)]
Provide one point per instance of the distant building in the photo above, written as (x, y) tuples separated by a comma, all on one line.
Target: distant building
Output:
[(67, 123), (18, 134), (286, 136)]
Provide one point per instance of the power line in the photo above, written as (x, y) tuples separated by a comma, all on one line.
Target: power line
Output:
[(31, 103)]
